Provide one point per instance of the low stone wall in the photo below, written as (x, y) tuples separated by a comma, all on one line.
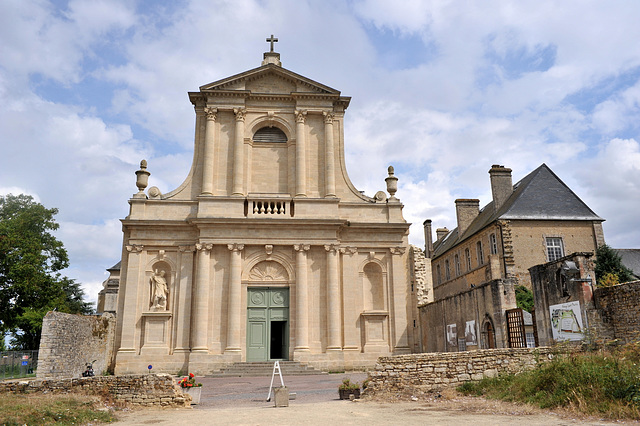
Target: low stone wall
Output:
[(70, 341), (419, 373), (618, 309), (143, 389)]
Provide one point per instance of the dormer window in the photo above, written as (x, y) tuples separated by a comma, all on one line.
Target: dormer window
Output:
[(270, 135)]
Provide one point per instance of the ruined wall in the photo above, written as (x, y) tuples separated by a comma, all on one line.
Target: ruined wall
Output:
[(69, 341), (618, 310), (483, 304), (142, 389), (419, 373)]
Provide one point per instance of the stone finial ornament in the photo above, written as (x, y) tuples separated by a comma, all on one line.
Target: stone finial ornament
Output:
[(392, 184), (142, 179)]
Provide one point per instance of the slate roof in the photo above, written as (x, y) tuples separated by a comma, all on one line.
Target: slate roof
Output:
[(540, 195), (630, 259)]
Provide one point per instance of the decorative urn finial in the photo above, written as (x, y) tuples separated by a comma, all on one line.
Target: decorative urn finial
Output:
[(142, 179), (392, 183)]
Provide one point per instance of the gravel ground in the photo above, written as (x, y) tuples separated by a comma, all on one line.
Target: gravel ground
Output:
[(242, 401)]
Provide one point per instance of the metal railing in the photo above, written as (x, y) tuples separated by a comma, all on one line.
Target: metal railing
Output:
[(17, 364)]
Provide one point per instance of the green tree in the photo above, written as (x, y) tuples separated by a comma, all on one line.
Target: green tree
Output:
[(609, 267), (524, 298), (30, 261)]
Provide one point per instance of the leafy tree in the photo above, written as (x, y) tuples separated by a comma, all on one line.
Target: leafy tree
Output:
[(30, 258), (609, 267), (524, 298)]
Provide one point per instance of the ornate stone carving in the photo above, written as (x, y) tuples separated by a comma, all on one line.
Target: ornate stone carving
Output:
[(159, 291), (154, 192), (186, 249), (372, 255), (349, 250), (398, 250), (211, 113), (235, 247), (392, 183), (268, 271), (142, 179), (301, 116), (301, 247), (240, 113), (331, 247), (268, 249), (204, 247), (137, 248), (328, 117)]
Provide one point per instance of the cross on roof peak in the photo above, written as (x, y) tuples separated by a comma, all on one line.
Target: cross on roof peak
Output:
[(272, 40)]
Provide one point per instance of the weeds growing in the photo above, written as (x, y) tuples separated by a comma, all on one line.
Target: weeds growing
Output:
[(597, 383), (31, 409)]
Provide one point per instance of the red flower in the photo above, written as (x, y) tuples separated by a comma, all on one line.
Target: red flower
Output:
[(191, 375), (189, 384)]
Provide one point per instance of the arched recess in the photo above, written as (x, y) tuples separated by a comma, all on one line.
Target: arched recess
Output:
[(488, 333), (373, 287), (269, 163), (160, 279), (251, 275)]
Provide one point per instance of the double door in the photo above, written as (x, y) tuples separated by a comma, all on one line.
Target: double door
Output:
[(267, 324)]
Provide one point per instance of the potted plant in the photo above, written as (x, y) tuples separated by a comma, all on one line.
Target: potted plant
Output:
[(191, 387), (347, 387)]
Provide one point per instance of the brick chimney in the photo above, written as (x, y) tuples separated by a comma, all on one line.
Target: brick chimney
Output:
[(501, 184), (428, 239), (441, 233), (466, 211)]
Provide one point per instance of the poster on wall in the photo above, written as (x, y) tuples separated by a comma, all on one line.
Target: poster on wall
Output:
[(566, 321), (470, 333), (452, 334)]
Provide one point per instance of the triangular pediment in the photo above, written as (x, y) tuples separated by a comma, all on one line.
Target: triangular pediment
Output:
[(270, 78)]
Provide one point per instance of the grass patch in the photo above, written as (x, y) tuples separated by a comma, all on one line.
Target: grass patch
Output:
[(38, 409), (604, 384)]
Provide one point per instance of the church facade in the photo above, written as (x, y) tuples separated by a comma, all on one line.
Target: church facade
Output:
[(266, 251)]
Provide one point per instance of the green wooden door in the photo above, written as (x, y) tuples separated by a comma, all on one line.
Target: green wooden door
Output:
[(267, 324)]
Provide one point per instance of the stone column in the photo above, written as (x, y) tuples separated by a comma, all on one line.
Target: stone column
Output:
[(183, 311), (201, 300), (131, 302), (329, 156), (399, 300), (209, 146), (334, 314), (301, 160), (234, 308), (238, 152), (302, 298)]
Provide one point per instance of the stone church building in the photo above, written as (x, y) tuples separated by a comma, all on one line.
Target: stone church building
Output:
[(266, 251)]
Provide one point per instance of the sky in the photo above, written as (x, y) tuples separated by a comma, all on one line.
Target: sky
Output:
[(441, 90)]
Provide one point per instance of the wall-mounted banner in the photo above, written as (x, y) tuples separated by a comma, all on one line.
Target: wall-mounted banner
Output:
[(470, 333), (566, 321), (452, 334)]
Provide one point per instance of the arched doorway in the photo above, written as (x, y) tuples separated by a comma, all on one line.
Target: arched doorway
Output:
[(490, 338)]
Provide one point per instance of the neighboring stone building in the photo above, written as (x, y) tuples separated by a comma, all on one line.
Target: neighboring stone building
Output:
[(631, 259), (108, 296), (267, 250), (476, 266)]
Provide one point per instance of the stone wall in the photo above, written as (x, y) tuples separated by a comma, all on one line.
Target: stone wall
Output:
[(449, 322), (142, 389), (618, 310), (69, 342), (418, 373)]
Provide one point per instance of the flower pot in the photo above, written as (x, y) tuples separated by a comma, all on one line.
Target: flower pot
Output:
[(195, 394), (344, 393)]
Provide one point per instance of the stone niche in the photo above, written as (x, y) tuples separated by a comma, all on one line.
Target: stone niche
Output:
[(156, 334)]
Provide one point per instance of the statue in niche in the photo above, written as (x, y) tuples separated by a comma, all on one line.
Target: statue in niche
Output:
[(159, 291)]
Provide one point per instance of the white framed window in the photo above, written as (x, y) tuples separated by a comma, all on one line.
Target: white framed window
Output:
[(493, 244), (555, 249), (456, 263), (467, 255), (531, 340), (480, 253)]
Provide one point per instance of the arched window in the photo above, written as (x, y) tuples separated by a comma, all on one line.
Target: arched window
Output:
[(270, 135)]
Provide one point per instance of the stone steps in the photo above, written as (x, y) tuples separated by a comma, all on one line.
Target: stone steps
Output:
[(257, 369)]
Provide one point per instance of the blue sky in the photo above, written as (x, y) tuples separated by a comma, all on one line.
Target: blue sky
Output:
[(441, 90)]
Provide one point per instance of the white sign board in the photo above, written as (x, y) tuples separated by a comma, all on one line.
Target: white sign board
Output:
[(470, 333), (566, 321), (452, 334)]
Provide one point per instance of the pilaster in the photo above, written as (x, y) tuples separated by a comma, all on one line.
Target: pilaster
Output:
[(302, 298), (131, 296), (399, 301), (234, 310), (209, 148), (238, 152), (334, 311), (201, 299), (301, 157), (329, 156)]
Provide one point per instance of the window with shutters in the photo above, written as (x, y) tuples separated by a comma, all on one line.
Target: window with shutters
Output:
[(555, 250), (269, 135), (480, 253), (493, 244), (456, 263)]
